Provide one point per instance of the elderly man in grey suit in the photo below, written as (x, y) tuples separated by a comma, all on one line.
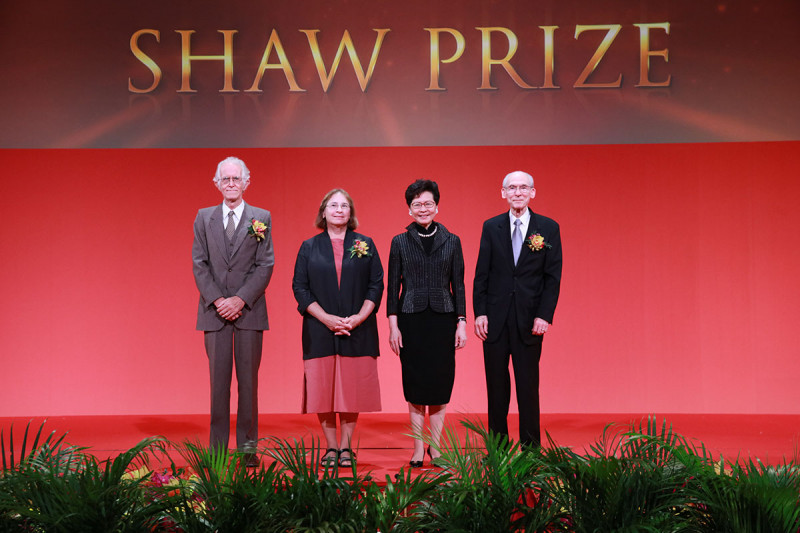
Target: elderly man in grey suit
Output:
[(516, 287), (233, 259)]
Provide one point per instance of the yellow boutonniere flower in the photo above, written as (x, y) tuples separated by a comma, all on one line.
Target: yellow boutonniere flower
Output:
[(359, 249), (258, 230), (536, 243)]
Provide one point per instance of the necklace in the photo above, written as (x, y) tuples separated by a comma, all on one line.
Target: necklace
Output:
[(431, 234)]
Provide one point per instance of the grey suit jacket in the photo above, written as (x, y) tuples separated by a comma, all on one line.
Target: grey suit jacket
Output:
[(244, 273)]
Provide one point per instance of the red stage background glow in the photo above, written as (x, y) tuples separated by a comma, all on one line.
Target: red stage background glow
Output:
[(679, 287), (664, 137)]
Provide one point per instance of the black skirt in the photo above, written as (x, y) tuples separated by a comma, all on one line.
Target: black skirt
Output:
[(428, 356)]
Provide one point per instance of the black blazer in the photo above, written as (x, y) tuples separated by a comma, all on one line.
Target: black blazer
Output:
[(534, 283), (315, 281), (418, 280)]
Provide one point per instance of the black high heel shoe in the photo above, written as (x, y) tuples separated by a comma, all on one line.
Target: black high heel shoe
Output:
[(416, 464), (438, 462)]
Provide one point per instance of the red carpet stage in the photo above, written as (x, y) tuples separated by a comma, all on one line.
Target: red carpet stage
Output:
[(383, 446)]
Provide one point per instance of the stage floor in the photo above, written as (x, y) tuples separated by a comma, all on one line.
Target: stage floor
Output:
[(383, 446)]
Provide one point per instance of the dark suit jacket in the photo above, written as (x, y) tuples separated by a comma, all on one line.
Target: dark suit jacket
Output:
[(435, 280), (315, 281), (245, 274), (534, 282)]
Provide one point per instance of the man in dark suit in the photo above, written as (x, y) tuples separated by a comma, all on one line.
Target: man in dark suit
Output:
[(233, 259), (517, 281)]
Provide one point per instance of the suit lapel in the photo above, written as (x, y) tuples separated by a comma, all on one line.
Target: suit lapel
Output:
[(326, 249), (414, 237), (504, 227), (241, 229), (533, 229), (345, 284), (217, 230), (439, 239)]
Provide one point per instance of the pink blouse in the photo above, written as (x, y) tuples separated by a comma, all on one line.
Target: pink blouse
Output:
[(338, 254)]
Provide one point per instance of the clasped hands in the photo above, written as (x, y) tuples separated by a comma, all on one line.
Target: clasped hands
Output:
[(342, 325), (229, 308)]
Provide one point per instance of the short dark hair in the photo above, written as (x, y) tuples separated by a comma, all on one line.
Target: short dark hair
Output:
[(419, 187), (321, 223)]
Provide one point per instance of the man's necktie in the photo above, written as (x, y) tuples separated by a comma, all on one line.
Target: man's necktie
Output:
[(231, 227), (516, 240)]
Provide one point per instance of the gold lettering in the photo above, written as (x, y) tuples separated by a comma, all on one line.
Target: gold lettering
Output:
[(326, 77), (275, 43), (549, 57), (487, 61), (613, 30), (645, 53), (435, 58), (146, 61), (187, 58)]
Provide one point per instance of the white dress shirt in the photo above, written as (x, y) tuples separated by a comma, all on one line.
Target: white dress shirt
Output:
[(237, 214), (525, 219)]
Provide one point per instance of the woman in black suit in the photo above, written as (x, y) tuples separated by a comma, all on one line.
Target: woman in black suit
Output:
[(426, 305), (338, 284)]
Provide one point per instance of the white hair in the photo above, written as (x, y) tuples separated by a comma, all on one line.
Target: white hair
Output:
[(237, 161), (515, 174)]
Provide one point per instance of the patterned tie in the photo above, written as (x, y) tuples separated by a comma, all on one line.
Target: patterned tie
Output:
[(516, 240), (231, 227)]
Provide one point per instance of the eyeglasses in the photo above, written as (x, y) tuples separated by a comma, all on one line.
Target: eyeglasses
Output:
[(236, 180), (420, 205), (524, 189), (336, 206)]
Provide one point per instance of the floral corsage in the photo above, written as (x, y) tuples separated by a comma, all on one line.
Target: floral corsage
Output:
[(536, 243), (359, 249), (257, 229)]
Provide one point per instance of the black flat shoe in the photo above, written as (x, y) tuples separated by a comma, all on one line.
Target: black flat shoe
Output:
[(346, 462), (330, 457)]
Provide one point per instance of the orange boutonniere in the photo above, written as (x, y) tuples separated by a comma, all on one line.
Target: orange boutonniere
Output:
[(359, 249), (257, 229), (536, 243)]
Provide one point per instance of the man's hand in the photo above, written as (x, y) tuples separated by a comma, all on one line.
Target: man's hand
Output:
[(540, 326), (229, 308), (482, 327)]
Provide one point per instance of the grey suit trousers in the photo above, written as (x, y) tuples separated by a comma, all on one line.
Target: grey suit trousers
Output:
[(245, 353)]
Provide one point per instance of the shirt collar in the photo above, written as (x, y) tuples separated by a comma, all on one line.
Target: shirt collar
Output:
[(238, 210), (525, 218)]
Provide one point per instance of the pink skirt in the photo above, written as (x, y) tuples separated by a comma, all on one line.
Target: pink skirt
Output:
[(336, 384)]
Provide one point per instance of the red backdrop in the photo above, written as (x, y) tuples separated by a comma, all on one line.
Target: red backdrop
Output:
[(678, 294)]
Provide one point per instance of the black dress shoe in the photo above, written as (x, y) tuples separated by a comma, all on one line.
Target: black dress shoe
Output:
[(415, 464), (251, 460)]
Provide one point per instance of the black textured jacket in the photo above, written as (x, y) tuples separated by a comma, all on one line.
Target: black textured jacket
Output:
[(418, 280), (315, 281)]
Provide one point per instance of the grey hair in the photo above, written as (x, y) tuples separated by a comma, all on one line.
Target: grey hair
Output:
[(237, 161), (515, 174)]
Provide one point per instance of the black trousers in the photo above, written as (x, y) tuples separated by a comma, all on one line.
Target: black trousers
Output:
[(225, 348), (525, 358)]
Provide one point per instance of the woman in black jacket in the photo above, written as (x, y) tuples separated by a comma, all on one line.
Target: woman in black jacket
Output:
[(338, 284), (426, 305)]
